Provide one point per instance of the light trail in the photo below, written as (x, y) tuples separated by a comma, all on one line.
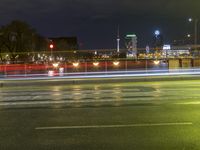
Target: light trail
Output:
[(109, 74)]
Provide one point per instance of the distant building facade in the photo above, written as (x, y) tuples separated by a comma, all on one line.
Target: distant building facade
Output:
[(176, 51)]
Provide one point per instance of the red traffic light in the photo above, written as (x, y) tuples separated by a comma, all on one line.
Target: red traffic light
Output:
[(51, 46)]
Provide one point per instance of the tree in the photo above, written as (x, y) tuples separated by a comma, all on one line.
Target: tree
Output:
[(17, 38)]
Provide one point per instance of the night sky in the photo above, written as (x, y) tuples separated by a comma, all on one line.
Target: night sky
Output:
[(95, 22)]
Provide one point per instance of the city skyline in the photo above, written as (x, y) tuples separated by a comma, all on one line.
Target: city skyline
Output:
[(95, 23)]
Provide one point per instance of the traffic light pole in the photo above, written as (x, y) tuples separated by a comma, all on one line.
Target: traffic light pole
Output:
[(51, 47)]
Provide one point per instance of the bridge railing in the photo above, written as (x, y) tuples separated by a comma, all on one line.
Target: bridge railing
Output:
[(59, 68)]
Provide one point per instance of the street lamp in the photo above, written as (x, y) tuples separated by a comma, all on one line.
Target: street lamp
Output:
[(96, 64), (158, 41), (75, 64), (157, 33), (156, 62), (188, 35), (190, 19), (55, 65), (116, 63), (195, 30)]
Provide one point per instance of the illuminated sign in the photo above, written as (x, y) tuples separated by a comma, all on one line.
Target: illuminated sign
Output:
[(166, 47), (130, 35)]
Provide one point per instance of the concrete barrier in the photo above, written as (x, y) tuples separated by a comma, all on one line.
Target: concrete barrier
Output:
[(196, 62), (174, 64), (186, 63)]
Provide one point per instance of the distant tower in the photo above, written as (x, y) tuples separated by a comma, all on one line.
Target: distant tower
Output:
[(118, 39)]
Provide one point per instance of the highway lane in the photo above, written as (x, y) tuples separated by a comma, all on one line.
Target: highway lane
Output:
[(142, 115)]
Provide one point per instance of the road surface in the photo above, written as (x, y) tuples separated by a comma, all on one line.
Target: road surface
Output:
[(119, 116)]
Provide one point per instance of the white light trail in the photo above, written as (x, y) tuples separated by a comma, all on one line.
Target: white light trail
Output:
[(109, 74)]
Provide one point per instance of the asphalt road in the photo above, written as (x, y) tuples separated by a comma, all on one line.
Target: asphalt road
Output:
[(120, 116)]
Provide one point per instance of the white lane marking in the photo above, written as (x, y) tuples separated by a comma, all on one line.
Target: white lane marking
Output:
[(115, 126), (50, 102), (54, 102)]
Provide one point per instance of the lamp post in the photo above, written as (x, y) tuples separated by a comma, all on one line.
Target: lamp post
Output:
[(195, 31), (157, 40), (157, 34)]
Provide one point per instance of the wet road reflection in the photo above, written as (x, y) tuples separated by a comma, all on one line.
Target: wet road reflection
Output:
[(95, 94)]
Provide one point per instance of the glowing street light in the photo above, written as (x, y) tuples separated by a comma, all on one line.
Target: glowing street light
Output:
[(76, 64), (189, 35), (190, 19), (156, 62), (95, 64), (116, 63), (157, 32), (55, 65)]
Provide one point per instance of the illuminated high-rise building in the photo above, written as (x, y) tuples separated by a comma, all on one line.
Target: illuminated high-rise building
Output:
[(131, 45)]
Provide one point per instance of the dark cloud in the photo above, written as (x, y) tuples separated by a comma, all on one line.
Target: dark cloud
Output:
[(95, 22)]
